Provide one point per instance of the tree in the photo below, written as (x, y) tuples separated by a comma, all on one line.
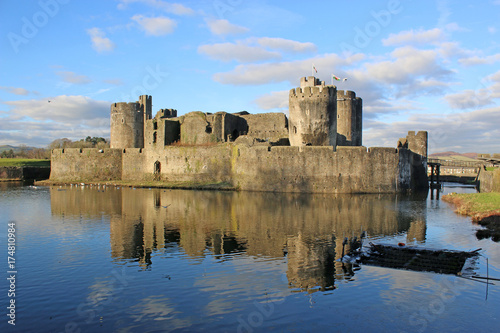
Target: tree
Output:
[(60, 143), (94, 140), (88, 142), (39, 153), (7, 154), (23, 151)]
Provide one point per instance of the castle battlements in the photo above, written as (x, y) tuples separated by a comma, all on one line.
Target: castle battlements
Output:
[(345, 94), (124, 106), (311, 81), (166, 113), (317, 91)]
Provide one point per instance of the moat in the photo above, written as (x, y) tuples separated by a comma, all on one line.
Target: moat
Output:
[(110, 259)]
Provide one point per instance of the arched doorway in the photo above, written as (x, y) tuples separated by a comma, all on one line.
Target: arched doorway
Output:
[(157, 170)]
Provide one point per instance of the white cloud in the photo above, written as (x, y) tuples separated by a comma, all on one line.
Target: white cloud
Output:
[(273, 100), (73, 117), (15, 91), (406, 64), (495, 76), (450, 50), (223, 27), (460, 131), (155, 26), (238, 52), (488, 89), (100, 42), (453, 26), (174, 8), (291, 71), (479, 60), (286, 45), (61, 108), (469, 99), (254, 49), (71, 77), (420, 37), (378, 107), (492, 30), (115, 82)]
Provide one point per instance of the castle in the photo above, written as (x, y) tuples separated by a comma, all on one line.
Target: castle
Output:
[(317, 149)]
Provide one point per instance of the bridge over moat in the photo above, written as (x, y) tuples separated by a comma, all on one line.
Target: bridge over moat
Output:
[(441, 170)]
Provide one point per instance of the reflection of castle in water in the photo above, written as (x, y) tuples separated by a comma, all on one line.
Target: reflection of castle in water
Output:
[(308, 229)]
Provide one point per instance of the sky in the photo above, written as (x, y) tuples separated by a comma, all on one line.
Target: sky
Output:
[(418, 65)]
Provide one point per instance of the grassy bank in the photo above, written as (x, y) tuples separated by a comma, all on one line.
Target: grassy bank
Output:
[(472, 204), (484, 208), (20, 162)]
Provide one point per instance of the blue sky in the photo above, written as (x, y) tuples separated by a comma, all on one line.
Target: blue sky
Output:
[(418, 65)]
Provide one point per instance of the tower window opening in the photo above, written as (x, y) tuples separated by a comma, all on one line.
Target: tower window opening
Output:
[(235, 135), (154, 137)]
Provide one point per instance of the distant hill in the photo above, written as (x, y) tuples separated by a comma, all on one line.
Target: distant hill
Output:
[(454, 155), (14, 148)]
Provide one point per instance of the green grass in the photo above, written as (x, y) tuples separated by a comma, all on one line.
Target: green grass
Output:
[(475, 203), (491, 168), (15, 162)]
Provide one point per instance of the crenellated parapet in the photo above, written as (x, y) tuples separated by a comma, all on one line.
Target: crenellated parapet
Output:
[(166, 113), (311, 81), (318, 91)]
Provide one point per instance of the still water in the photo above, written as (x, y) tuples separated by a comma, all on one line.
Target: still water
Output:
[(155, 260)]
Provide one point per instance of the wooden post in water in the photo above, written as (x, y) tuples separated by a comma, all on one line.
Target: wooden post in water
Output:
[(435, 171)]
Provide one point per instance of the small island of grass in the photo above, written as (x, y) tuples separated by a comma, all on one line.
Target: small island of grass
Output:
[(484, 208)]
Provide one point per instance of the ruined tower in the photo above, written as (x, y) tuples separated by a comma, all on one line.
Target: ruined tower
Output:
[(127, 123), (417, 143), (146, 104), (349, 118), (313, 113)]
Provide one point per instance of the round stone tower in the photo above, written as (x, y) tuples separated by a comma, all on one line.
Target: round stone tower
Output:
[(313, 114), (127, 122), (127, 125), (349, 118)]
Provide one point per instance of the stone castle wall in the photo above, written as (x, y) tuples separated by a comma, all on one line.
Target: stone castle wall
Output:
[(86, 164), (489, 181), (259, 168), (318, 169), (189, 164), (272, 127)]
